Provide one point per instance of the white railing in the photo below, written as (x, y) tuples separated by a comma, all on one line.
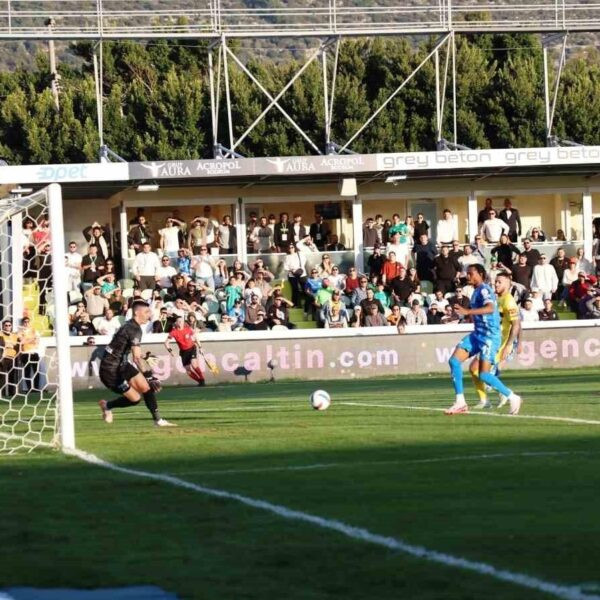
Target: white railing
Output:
[(74, 19)]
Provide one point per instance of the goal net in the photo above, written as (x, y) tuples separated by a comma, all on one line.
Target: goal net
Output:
[(35, 383)]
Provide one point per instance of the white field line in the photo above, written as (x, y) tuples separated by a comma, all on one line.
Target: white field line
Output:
[(357, 533), (369, 463), (195, 410), (476, 412)]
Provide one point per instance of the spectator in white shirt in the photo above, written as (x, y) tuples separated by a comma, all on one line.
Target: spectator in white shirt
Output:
[(306, 246), (544, 277), (493, 228), (416, 315), (583, 264), (165, 273), (108, 324), (145, 267), (467, 259), (73, 268), (203, 267), (400, 249), (169, 237), (528, 314), (537, 301), (447, 228)]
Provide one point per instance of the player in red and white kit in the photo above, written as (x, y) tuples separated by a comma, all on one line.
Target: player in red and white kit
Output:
[(187, 341)]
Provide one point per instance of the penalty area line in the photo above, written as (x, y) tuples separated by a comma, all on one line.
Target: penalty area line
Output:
[(356, 533), (476, 412)]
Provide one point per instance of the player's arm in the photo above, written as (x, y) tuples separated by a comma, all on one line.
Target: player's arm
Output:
[(513, 334), (486, 309), (168, 344), (144, 367)]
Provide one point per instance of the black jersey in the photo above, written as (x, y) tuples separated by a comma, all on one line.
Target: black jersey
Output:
[(129, 335)]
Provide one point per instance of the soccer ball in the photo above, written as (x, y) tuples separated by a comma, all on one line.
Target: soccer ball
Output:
[(320, 400)]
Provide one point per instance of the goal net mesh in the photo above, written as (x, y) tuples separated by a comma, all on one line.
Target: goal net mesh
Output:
[(28, 373)]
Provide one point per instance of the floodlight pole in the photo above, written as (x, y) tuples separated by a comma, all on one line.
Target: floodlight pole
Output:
[(550, 106), (61, 322), (224, 50)]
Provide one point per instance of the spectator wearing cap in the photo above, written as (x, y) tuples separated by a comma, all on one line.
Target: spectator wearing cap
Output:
[(255, 315), (334, 314), (548, 313), (278, 313), (376, 261), (522, 271), (425, 253), (356, 319), (96, 303), (527, 312), (447, 228), (370, 236), (391, 269), (512, 218), (313, 284), (334, 244), (544, 277), (319, 232), (416, 315), (446, 269), (238, 314)]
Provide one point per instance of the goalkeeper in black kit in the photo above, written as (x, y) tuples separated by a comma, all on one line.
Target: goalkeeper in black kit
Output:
[(125, 371)]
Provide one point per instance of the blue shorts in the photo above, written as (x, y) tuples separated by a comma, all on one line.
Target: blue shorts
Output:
[(486, 349)]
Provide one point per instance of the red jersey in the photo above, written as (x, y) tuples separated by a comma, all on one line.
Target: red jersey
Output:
[(185, 338)]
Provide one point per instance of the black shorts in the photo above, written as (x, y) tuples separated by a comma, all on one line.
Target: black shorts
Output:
[(187, 356), (116, 377)]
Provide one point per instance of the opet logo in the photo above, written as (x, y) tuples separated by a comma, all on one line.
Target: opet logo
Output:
[(50, 173)]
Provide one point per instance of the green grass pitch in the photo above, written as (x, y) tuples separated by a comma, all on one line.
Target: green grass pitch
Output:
[(519, 494)]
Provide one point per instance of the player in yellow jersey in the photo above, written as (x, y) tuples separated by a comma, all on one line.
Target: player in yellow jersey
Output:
[(510, 326)]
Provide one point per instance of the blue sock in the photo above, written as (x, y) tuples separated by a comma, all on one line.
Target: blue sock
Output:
[(495, 383), (457, 374)]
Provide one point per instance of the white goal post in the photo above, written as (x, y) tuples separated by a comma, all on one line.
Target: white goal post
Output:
[(36, 395)]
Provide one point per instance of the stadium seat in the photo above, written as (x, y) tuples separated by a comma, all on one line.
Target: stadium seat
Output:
[(286, 289), (147, 294), (75, 297), (426, 287), (127, 292), (126, 283), (96, 322)]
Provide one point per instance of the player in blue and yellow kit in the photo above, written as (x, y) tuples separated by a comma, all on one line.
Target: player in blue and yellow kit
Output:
[(484, 342)]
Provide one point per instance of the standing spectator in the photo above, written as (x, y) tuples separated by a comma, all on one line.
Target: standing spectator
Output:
[(522, 272), (416, 315), (373, 318), (370, 234), (446, 270), (74, 260), (95, 302), (397, 226), (198, 235), (295, 266), (212, 226), (92, 265), (425, 253), (299, 231), (560, 263), (145, 267), (282, 232), (203, 267), (319, 232), (169, 237), (165, 273), (250, 226), (95, 234), (108, 324), (334, 244), (493, 228), (261, 237), (140, 233), (255, 315), (512, 218), (44, 276), (226, 237), (548, 313), (10, 348), (421, 227), (29, 357), (505, 252), (399, 248), (528, 313), (376, 261), (544, 277), (41, 234), (447, 228), (184, 263), (410, 229), (484, 213), (139, 213)]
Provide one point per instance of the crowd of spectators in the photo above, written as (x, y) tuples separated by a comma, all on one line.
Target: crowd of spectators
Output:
[(181, 270)]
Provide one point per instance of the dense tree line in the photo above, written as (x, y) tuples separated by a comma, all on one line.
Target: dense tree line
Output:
[(156, 100)]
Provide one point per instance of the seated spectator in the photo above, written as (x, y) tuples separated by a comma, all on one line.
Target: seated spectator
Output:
[(221, 274), (532, 254), (237, 314), (416, 315), (313, 284), (391, 269), (373, 318), (493, 228), (108, 324), (356, 319), (337, 279), (306, 246), (163, 324), (326, 266), (334, 314), (522, 271), (537, 299), (232, 293), (544, 277), (360, 293), (414, 280), (505, 252), (324, 294), (183, 263), (259, 265), (96, 304), (577, 291), (395, 316), (239, 267), (560, 236), (369, 301), (434, 315), (456, 250), (192, 295), (165, 273), (352, 281), (226, 324), (548, 313), (263, 285), (116, 302), (382, 296), (439, 299), (528, 313), (255, 315), (494, 270), (570, 275), (253, 290), (401, 288), (459, 298), (278, 313), (536, 235), (583, 264), (479, 249), (592, 308), (376, 261), (107, 284), (82, 326), (334, 244), (449, 317)]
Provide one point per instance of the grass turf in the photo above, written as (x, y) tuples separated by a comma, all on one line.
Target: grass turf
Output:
[(415, 475)]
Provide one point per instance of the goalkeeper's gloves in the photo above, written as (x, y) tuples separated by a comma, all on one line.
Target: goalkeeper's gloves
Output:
[(151, 359), (153, 382)]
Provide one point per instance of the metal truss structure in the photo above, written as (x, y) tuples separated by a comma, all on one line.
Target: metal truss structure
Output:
[(327, 21)]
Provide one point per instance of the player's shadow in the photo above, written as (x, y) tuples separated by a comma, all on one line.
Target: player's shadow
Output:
[(241, 371)]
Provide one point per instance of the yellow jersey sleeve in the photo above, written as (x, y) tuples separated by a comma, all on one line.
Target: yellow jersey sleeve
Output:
[(508, 308)]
